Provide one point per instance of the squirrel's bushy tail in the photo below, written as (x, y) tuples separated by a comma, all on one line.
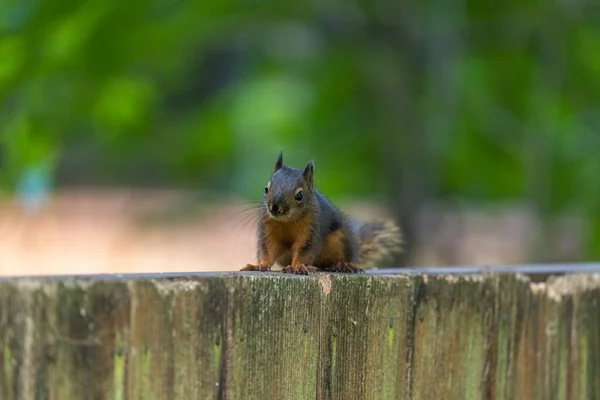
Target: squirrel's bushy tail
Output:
[(378, 243)]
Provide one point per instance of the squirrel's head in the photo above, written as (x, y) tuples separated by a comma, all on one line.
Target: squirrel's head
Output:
[(289, 193)]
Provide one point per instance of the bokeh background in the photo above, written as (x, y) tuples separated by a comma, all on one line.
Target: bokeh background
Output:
[(135, 134)]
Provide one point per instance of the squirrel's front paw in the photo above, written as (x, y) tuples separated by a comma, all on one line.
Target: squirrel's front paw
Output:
[(348, 268), (254, 267), (301, 269)]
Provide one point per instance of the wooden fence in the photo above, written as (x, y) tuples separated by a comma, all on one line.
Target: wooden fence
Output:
[(381, 335)]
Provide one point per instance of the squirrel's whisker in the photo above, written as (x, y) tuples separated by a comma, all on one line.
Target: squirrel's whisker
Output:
[(243, 220)]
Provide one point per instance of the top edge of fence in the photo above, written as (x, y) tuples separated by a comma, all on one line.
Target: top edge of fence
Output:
[(529, 269)]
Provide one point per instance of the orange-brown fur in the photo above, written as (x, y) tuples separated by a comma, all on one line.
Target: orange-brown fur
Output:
[(285, 238), (333, 251)]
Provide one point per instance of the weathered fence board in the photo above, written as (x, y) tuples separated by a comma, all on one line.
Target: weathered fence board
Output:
[(275, 336)]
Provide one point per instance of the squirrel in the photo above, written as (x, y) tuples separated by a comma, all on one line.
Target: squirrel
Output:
[(301, 229)]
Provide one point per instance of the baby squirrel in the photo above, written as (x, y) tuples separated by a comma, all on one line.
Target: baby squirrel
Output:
[(302, 230)]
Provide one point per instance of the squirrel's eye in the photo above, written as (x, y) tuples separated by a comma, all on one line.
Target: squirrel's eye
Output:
[(299, 196), (266, 189)]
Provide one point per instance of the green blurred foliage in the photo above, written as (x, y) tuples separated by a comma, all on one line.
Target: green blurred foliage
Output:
[(404, 101)]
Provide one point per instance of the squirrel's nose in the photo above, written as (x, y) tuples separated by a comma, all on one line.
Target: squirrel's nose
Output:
[(275, 208)]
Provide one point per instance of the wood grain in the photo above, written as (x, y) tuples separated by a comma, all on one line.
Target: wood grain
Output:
[(324, 336)]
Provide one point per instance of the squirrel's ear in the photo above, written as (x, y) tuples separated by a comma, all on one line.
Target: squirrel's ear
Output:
[(279, 162), (308, 174)]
